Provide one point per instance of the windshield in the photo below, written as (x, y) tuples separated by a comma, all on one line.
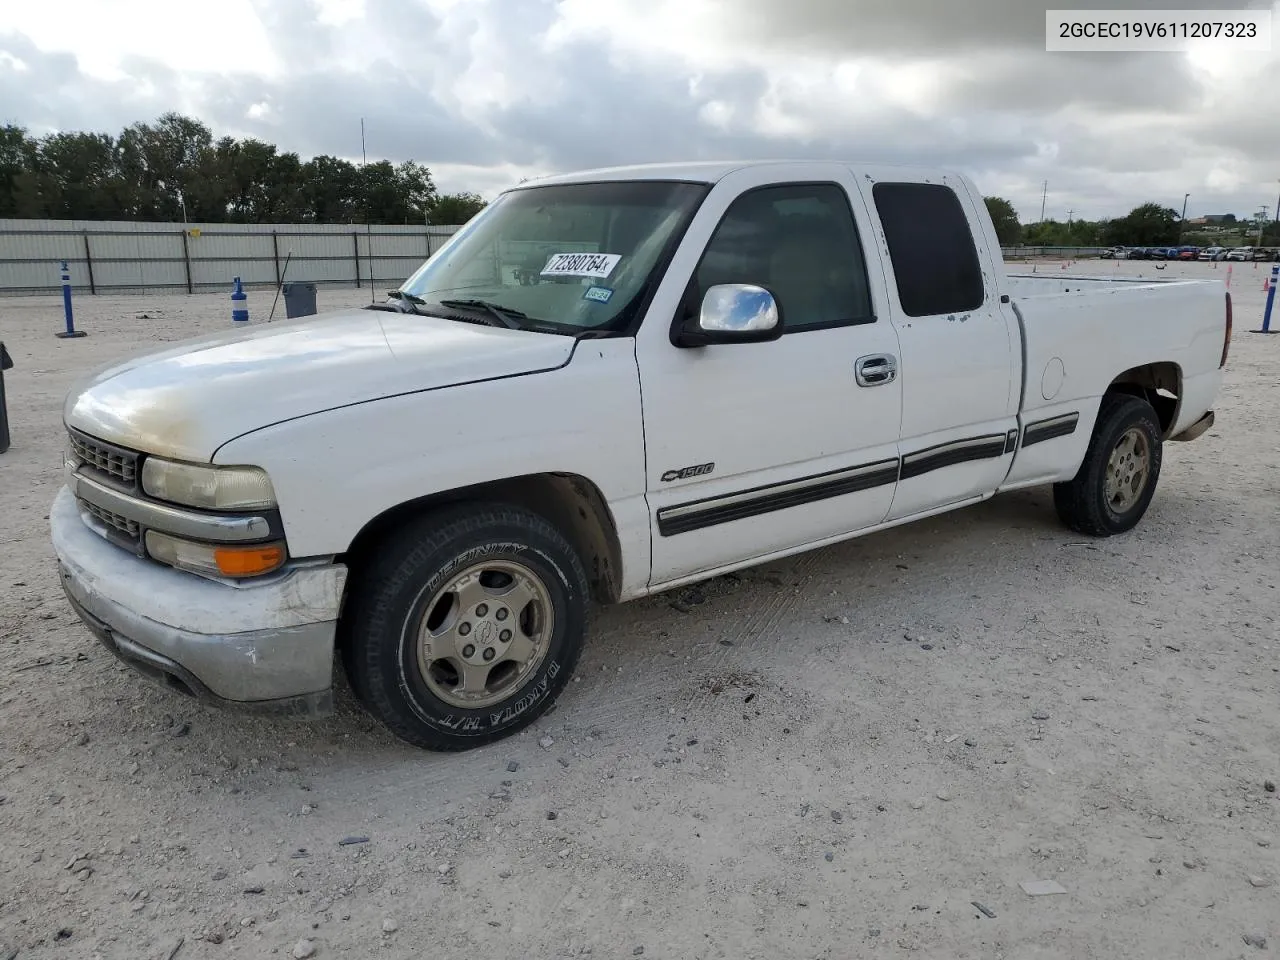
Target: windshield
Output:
[(580, 255)]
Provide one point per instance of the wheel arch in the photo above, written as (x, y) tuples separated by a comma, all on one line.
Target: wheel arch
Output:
[(1160, 384), (572, 503)]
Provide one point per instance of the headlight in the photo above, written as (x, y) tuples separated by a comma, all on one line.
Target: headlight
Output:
[(217, 560), (210, 488)]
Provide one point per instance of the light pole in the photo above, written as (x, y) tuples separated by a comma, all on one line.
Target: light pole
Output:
[(1183, 219), (1278, 207)]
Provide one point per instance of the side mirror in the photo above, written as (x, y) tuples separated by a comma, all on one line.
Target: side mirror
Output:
[(732, 313)]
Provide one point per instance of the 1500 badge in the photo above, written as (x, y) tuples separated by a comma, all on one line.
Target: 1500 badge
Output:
[(685, 473)]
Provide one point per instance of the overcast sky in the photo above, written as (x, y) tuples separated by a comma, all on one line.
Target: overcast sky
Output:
[(487, 91)]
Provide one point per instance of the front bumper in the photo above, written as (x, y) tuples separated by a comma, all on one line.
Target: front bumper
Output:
[(264, 646)]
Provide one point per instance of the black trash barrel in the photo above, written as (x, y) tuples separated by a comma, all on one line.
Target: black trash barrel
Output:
[(299, 299)]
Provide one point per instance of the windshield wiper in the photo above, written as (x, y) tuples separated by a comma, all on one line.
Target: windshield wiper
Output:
[(408, 298), (506, 316)]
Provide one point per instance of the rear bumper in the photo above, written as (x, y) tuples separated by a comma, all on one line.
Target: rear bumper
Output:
[(266, 647), (1196, 429)]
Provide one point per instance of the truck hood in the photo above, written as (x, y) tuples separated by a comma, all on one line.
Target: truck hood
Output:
[(186, 401)]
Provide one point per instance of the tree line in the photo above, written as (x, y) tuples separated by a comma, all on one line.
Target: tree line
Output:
[(1149, 225), (174, 170)]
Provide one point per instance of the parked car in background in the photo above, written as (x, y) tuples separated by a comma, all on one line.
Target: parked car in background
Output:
[(1212, 253), (1240, 254), (1263, 253), (1115, 253), (1188, 253), (1139, 253)]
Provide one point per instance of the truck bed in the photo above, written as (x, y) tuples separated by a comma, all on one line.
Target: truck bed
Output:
[(1024, 286), (1079, 334)]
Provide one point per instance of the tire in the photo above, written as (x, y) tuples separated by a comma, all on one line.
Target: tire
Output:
[(1085, 503), (404, 640)]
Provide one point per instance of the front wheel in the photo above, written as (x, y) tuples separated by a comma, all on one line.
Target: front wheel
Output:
[(466, 626), (1115, 483)]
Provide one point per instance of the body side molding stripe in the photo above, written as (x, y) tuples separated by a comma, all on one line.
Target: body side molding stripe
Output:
[(924, 461), (699, 514), (1050, 429), (778, 496)]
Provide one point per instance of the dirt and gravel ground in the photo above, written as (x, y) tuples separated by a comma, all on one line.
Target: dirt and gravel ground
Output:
[(837, 756)]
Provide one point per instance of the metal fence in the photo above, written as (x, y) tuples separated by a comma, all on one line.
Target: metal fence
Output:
[(125, 257)]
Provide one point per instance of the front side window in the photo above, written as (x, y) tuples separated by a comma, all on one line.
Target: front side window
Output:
[(573, 256), (800, 243)]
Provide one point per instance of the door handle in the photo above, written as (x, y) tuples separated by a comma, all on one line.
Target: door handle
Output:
[(875, 370)]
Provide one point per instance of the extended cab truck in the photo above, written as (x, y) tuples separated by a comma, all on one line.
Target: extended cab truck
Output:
[(708, 366)]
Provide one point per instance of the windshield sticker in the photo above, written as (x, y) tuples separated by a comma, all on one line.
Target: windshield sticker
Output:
[(598, 294), (598, 265)]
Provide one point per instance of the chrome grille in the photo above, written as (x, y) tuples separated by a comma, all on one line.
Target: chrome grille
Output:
[(121, 465), (126, 526)]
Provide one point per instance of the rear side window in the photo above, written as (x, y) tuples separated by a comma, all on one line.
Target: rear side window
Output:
[(931, 246)]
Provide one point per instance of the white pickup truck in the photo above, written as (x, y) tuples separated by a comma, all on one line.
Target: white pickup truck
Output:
[(605, 385)]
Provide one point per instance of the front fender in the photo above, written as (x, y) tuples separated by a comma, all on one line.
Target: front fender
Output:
[(334, 472)]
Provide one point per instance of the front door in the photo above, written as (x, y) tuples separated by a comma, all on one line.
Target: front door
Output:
[(757, 448)]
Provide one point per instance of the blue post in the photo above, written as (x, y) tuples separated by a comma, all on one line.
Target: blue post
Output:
[(239, 304), (71, 331), (1271, 299)]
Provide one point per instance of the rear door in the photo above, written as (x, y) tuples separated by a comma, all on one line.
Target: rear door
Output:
[(961, 359)]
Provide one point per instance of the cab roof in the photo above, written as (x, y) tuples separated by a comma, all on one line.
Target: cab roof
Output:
[(710, 171)]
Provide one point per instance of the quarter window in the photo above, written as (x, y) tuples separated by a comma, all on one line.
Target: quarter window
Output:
[(931, 247)]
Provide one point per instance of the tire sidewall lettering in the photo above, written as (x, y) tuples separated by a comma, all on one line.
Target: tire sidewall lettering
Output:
[(486, 720)]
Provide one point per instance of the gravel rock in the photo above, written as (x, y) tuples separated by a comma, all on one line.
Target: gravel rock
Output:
[(1040, 715), (443, 868), (836, 816), (944, 796), (1260, 881), (637, 951), (304, 949), (389, 926), (1255, 940), (828, 856), (546, 743), (1269, 786), (512, 766)]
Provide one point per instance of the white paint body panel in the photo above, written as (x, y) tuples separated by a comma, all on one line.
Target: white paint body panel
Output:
[(184, 402), (356, 413), (763, 413)]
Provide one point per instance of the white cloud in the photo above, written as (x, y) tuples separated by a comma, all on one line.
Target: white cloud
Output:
[(487, 91)]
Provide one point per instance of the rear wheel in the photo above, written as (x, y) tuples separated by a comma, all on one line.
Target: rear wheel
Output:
[(1115, 483), (467, 626)]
